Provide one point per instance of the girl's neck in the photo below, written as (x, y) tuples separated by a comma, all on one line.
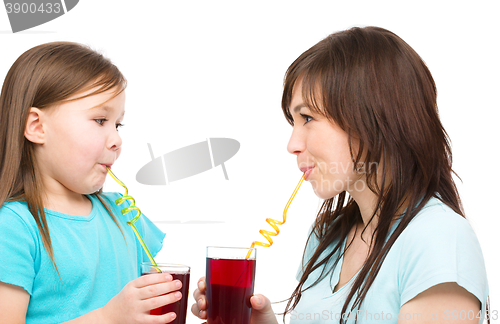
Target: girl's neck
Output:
[(78, 205)]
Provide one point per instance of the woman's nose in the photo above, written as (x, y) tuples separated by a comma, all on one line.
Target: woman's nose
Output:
[(296, 144)]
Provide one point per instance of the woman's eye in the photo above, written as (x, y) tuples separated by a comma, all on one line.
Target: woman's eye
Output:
[(100, 121), (306, 118), (119, 125)]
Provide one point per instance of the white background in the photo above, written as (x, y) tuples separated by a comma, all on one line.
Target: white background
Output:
[(205, 69)]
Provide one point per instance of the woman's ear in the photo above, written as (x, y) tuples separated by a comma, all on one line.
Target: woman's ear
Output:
[(34, 128)]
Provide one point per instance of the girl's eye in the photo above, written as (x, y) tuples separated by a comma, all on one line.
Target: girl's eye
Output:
[(306, 118), (119, 125), (100, 121)]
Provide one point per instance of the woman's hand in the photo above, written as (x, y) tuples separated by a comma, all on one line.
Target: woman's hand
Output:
[(262, 313), (200, 295), (134, 302)]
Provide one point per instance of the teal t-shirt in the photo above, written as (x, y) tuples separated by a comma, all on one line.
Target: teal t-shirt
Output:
[(93, 259), (437, 246)]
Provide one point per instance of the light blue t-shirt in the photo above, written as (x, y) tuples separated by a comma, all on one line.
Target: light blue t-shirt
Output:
[(92, 257), (437, 246)]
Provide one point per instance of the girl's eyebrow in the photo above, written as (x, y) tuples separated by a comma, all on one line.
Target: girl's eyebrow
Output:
[(102, 107), (105, 108)]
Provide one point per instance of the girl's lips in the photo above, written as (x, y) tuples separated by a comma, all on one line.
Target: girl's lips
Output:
[(106, 166)]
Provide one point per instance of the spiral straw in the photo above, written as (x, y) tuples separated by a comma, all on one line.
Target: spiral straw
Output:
[(127, 210), (273, 222)]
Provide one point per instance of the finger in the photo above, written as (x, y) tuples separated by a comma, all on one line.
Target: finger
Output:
[(262, 311), (260, 302), (202, 285), (195, 309), (159, 301), (151, 279), (159, 289), (198, 294), (161, 319)]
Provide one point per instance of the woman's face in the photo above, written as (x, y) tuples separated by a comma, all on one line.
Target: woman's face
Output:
[(322, 151)]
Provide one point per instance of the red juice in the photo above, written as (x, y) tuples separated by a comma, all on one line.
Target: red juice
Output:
[(180, 306), (230, 284)]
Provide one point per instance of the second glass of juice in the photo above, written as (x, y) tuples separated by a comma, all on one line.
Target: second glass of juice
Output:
[(178, 272), (230, 283)]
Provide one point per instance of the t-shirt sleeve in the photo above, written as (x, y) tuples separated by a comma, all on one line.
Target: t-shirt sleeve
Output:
[(441, 248), (150, 233), (18, 250)]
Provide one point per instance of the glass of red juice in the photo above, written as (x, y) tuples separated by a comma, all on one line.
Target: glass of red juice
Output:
[(230, 282), (179, 272)]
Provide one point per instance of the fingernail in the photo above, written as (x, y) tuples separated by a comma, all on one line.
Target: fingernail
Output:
[(169, 277), (178, 295), (173, 316), (178, 284), (258, 301), (199, 303)]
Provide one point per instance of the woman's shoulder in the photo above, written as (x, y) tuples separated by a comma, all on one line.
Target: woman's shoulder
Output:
[(437, 220), (439, 245)]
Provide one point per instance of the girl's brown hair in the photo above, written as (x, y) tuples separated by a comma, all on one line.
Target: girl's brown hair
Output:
[(42, 77), (380, 92)]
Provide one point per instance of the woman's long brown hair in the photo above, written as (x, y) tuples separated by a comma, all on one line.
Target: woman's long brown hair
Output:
[(42, 77), (380, 92)]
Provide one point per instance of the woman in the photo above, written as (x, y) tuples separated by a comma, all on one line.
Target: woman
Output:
[(391, 242)]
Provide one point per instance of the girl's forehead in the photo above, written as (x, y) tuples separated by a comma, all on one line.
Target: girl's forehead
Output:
[(105, 103)]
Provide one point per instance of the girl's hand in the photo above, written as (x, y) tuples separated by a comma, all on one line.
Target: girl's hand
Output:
[(134, 302), (262, 313)]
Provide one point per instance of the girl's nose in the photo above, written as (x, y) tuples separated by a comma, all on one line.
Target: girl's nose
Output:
[(115, 141), (296, 144)]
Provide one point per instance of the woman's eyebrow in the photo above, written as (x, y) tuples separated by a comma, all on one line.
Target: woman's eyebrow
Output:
[(297, 107)]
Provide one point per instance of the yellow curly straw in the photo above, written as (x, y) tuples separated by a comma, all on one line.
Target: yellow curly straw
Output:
[(267, 235), (126, 210)]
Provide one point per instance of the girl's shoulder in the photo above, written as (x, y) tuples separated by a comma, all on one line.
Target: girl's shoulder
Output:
[(16, 210), (17, 224)]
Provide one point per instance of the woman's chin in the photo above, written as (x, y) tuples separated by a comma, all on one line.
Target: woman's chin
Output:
[(325, 194)]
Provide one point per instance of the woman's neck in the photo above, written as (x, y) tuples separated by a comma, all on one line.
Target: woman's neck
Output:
[(367, 202)]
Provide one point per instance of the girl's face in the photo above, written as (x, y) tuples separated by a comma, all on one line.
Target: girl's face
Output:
[(80, 140), (322, 151)]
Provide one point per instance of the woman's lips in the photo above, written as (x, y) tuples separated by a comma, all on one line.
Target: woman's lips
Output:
[(307, 171)]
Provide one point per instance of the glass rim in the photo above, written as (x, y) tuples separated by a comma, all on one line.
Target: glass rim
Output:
[(231, 253), (165, 264), (232, 247)]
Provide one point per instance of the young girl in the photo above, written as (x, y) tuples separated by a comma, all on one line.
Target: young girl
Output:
[(64, 255), (391, 243)]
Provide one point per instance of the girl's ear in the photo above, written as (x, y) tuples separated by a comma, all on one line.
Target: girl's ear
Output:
[(34, 128)]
